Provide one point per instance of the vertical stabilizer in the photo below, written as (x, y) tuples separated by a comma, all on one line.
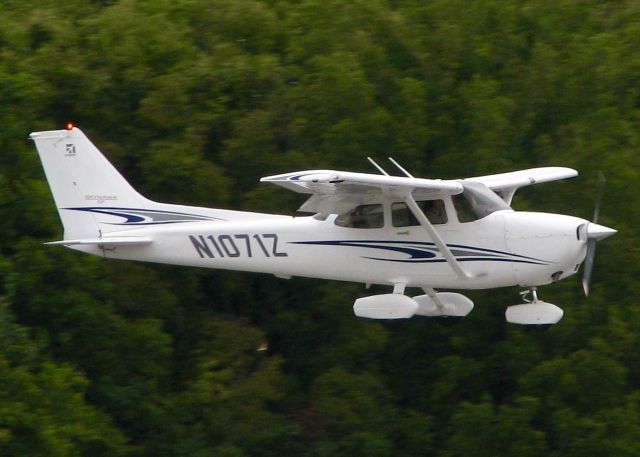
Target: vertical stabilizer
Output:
[(93, 199), (82, 181)]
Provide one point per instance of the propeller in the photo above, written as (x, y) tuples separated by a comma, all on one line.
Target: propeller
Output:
[(595, 232)]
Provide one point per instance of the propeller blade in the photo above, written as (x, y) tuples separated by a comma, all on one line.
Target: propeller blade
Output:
[(588, 265), (595, 232), (600, 194)]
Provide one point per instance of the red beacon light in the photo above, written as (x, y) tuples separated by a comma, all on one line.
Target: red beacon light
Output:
[(70, 126)]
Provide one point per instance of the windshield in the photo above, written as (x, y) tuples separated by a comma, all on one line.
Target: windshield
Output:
[(476, 201)]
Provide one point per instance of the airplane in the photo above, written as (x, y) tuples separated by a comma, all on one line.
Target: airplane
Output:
[(397, 231)]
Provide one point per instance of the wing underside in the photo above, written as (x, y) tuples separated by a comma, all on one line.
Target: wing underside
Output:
[(336, 191)]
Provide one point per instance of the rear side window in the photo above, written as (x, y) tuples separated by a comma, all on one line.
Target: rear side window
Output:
[(402, 216), (363, 216)]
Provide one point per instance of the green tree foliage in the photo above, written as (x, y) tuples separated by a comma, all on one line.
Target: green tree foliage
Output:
[(43, 410), (194, 101), (486, 430)]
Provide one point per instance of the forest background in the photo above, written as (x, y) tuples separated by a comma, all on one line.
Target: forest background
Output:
[(194, 101)]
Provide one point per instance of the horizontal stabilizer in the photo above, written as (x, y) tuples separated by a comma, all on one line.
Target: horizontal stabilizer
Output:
[(113, 240)]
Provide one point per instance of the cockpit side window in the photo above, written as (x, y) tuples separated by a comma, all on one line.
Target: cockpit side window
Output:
[(476, 201), (401, 215), (363, 216), (463, 208)]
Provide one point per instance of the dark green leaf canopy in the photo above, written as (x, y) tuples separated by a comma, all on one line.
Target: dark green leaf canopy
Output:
[(196, 100)]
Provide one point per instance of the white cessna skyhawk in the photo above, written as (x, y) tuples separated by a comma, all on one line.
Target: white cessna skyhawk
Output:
[(368, 228)]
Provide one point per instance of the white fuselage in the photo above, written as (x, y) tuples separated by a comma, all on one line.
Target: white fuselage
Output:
[(505, 248), (369, 228)]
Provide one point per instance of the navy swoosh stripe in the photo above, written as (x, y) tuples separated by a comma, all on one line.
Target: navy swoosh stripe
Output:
[(420, 254), (297, 177), (139, 216), (468, 259), (452, 246), (414, 252)]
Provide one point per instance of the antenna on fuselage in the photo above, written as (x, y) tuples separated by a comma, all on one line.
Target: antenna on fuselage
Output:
[(377, 166)]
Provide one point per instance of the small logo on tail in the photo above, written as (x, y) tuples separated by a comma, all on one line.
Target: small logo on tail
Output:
[(70, 149)]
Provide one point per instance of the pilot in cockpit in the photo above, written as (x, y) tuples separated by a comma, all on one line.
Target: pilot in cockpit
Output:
[(435, 212)]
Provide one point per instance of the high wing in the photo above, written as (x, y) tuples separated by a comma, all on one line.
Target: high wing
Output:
[(506, 184), (337, 191)]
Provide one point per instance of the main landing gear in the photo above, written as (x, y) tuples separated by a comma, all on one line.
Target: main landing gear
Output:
[(433, 304), (399, 306)]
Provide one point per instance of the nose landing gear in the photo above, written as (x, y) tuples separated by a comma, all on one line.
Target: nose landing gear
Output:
[(533, 311)]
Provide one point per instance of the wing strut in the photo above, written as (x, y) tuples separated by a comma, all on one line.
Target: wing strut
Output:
[(380, 169), (409, 175), (440, 244)]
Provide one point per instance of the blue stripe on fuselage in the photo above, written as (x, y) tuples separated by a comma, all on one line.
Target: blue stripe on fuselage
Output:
[(425, 252)]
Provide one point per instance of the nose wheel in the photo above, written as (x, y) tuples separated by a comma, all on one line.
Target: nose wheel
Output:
[(533, 311)]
